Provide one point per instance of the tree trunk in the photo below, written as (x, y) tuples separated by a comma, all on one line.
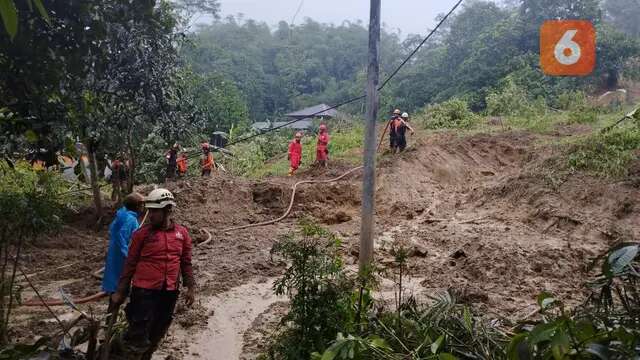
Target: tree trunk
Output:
[(4, 253), (11, 295), (612, 79), (95, 187)]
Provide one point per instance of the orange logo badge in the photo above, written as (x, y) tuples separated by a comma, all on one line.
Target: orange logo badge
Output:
[(567, 47)]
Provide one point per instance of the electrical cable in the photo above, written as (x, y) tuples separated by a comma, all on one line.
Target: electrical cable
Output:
[(352, 100)]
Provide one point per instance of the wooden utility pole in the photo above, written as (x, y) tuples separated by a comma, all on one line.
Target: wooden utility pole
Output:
[(369, 182)]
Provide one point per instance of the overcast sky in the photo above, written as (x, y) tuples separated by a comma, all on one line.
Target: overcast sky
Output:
[(410, 16)]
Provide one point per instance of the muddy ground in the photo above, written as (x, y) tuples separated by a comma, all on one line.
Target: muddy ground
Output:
[(485, 216)]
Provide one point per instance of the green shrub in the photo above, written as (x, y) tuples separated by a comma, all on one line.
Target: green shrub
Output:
[(606, 154), (583, 114), (320, 293), (605, 327), (31, 204), (451, 114), (513, 100), (570, 100)]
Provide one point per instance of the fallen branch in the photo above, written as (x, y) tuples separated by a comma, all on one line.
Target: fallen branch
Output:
[(630, 115), (472, 220)]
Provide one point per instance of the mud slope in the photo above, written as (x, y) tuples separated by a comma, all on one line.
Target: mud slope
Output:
[(492, 224), (482, 215)]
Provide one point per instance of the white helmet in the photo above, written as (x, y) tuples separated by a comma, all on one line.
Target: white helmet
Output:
[(159, 199), (405, 115)]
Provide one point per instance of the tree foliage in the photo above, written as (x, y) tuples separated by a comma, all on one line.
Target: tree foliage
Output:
[(290, 67)]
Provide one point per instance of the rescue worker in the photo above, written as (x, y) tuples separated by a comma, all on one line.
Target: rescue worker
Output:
[(295, 153), (207, 162), (172, 160), (120, 232), (401, 125), (118, 177), (182, 165), (322, 148), (393, 138), (158, 254)]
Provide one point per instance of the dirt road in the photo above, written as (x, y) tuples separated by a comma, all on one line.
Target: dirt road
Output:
[(483, 214)]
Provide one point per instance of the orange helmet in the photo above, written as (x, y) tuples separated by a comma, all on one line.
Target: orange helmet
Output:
[(205, 146), (323, 127), (298, 135)]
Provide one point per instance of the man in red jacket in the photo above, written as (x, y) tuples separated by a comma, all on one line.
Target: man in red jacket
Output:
[(295, 154), (159, 253), (322, 148)]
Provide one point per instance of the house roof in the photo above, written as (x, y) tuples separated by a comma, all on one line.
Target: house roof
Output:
[(322, 110), (298, 125)]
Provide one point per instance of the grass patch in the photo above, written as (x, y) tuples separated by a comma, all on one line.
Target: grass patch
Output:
[(606, 155), (537, 124)]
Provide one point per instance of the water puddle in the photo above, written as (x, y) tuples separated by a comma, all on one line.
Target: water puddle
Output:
[(233, 314)]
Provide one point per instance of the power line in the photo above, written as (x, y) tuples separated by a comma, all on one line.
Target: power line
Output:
[(395, 72), (352, 100), (384, 83), (293, 19)]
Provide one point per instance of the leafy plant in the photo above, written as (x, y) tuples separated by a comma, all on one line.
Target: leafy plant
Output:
[(513, 100), (451, 114), (30, 205), (319, 293), (605, 327)]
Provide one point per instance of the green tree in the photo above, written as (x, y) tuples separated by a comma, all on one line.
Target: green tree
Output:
[(624, 15)]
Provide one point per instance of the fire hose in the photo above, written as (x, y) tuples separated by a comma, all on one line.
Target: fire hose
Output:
[(100, 295)]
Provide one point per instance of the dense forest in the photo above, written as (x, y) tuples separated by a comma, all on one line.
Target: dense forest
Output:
[(483, 45)]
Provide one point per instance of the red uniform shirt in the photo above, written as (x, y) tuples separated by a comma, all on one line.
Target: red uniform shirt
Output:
[(295, 154), (321, 148), (157, 257)]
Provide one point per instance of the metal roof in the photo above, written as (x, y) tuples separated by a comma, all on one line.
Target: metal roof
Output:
[(298, 125), (319, 111)]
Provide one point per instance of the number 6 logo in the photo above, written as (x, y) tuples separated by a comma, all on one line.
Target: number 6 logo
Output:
[(567, 47)]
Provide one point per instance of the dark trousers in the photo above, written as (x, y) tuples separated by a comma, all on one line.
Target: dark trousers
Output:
[(401, 142), (171, 171), (116, 194), (206, 172), (393, 141), (149, 314)]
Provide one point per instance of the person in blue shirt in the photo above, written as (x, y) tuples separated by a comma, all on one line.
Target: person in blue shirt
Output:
[(120, 233)]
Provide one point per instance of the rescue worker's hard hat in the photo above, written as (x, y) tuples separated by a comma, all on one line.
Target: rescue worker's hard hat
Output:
[(405, 115), (323, 127), (396, 112), (298, 135), (175, 146), (205, 146), (159, 199)]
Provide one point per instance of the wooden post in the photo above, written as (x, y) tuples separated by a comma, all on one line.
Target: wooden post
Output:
[(368, 186)]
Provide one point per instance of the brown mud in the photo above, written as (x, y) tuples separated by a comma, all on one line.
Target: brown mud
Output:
[(484, 216)]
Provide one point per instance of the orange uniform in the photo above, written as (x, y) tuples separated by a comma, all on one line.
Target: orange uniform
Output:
[(182, 165), (207, 163)]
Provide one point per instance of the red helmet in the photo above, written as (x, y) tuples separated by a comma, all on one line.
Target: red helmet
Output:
[(323, 127), (298, 135), (205, 146)]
